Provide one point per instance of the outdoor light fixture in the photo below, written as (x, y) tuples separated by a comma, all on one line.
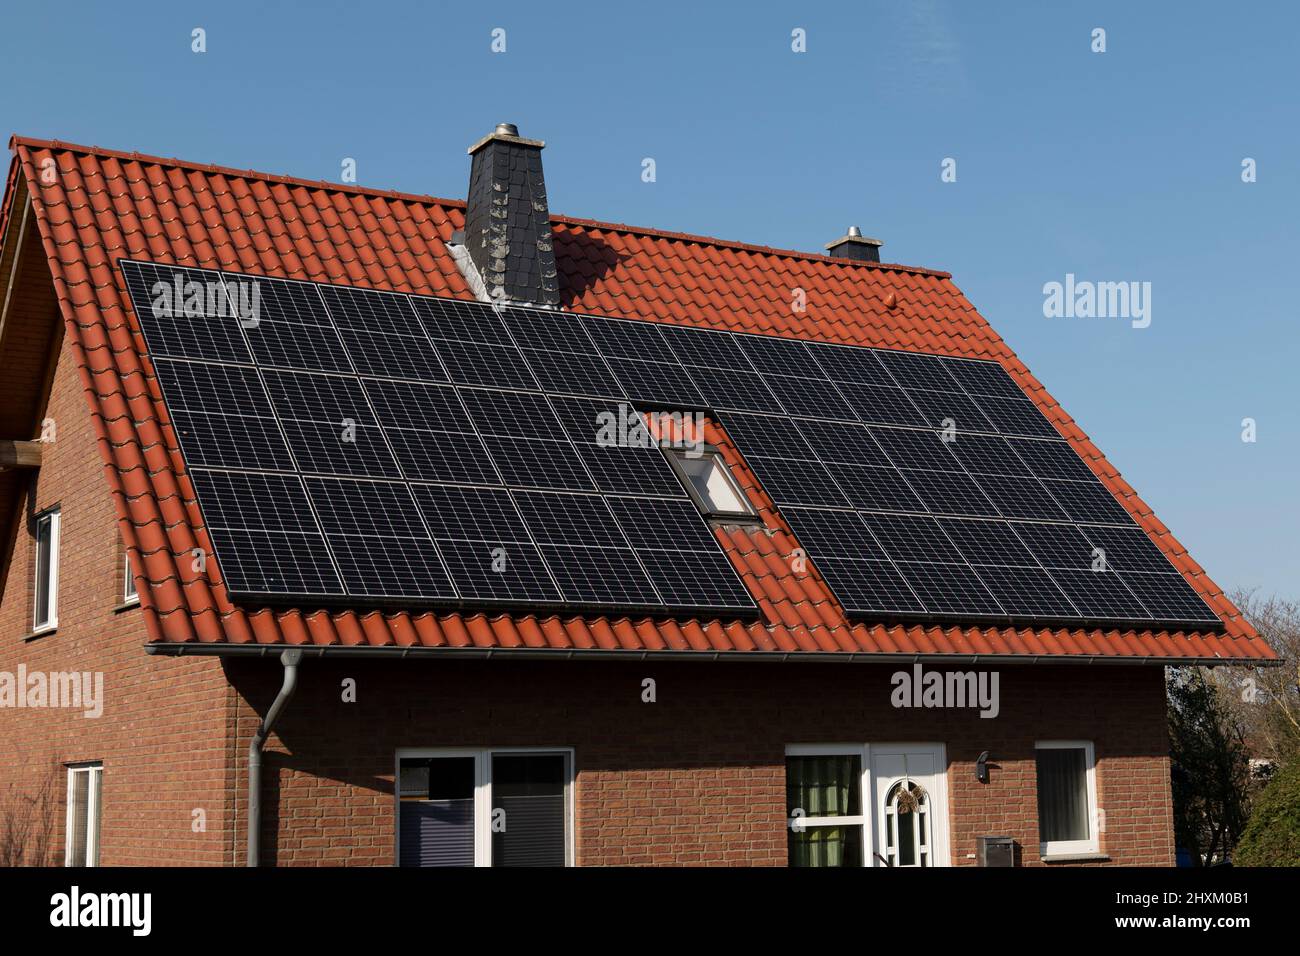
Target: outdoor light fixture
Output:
[(982, 767)]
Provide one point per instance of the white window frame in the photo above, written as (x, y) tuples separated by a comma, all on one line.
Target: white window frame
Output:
[(91, 809), (483, 793), (53, 516), (129, 593), (872, 819), (711, 452), (1092, 845)]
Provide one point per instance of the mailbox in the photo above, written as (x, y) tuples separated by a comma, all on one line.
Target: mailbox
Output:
[(996, 851)]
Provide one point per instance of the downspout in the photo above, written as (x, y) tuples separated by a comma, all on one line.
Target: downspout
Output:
[(290, 660)]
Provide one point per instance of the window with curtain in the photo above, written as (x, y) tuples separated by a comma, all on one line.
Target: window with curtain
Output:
[(1066, 798), (824, 808)]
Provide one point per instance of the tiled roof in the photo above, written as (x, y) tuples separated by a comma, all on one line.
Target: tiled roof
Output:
[(100, 205)]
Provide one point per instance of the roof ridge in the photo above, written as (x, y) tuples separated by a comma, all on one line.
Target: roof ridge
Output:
[(30, 141)]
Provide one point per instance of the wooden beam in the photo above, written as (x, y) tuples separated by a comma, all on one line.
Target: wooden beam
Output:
[(20, 454)]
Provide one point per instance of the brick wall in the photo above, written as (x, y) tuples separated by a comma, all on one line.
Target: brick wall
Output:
[(697, 777), (162, 736)]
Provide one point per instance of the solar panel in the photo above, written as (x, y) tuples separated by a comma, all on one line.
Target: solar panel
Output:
[(585, 549), (869, 587), (560, 353), (1017, 416), (222, 416), (473, 344), (450, 410), (264, 534), (186, 313), (293, 329), (805, 396), (773, 356), (429, 432), (383, 334), (618, 449), (851, 365), (915, 371), (525, 440), (732, 389), (379, 539), (680, 553), (485, 544), (329, 424), (1169, 597), (350, 387)]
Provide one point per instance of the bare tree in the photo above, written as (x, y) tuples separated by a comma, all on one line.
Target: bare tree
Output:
[(27, 825), (1266, 700)]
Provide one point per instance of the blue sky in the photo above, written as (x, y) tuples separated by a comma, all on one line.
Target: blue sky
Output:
[(1115, 166)]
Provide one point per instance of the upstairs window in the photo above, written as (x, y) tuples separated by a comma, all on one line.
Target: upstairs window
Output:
[(46, 594), (710, 483), (129, 593)]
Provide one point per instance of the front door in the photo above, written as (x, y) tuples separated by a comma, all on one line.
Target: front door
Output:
[(911, 813)]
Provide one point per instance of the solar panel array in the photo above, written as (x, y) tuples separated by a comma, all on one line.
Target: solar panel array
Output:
[(929, 486), (348, 444), (423, 449)]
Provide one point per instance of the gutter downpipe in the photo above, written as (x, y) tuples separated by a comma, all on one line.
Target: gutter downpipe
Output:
[(290, 659)]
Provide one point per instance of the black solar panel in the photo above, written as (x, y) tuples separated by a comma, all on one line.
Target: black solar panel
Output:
[(922, 485), (485, 544), (329, 424), (393, 355), (379, 539), (222, 416), (293, 330), (680, 553), (265, 536), (1168, 597), (186, 313)]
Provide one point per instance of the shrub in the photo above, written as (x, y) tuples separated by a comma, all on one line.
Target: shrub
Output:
[(1272, 836)]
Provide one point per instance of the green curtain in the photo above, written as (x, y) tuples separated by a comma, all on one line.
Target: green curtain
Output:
[(829, 786)]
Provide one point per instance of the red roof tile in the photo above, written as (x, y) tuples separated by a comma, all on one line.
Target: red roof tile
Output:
[(102, 205)]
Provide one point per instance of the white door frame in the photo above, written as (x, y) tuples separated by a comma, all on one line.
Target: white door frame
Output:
[(872, 834), (940, 854)]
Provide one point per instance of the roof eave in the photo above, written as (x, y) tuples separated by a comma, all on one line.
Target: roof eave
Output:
[(188, 649)]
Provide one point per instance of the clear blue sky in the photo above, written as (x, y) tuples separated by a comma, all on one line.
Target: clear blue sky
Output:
[(1121, 166)]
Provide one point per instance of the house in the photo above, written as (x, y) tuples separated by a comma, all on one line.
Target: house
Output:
[(150, 708)]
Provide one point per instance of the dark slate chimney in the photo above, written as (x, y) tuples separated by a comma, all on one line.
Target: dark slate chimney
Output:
[(507, 223), (854, 245)]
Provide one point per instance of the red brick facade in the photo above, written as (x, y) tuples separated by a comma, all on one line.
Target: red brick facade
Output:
[(696, 777)]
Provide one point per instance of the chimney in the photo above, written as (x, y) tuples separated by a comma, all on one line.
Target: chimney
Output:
[(507, 223), (854, 245)]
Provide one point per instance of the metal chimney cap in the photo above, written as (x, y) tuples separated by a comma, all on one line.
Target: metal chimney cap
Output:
[(505, 133), (853, 230)]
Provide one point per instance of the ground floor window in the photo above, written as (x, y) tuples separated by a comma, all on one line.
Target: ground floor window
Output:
[(81, 841), (1067, 797), (494, 807), (866, 805)]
